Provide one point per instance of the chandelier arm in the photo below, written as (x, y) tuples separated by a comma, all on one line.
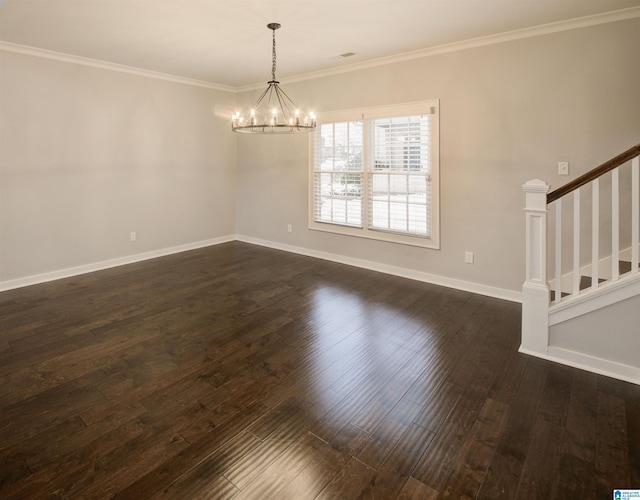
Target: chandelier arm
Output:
[(270, 96), (286, 96), (257, 103), (286, 112)]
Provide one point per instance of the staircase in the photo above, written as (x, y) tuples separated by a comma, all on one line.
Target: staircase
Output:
[(586, 235)]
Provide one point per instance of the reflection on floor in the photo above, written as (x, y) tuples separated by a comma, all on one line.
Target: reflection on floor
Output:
[(240, 371)]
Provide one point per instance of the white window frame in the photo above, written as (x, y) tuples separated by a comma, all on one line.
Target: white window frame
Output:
[(431, 107)]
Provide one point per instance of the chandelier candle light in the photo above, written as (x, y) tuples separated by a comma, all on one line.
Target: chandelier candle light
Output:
[(279, 113)]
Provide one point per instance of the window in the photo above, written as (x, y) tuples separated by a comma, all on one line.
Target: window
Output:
[(374, 174)]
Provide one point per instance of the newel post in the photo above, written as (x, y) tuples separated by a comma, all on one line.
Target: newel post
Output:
[(535, 290)]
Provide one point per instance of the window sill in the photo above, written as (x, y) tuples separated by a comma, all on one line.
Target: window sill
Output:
[(372, 234)]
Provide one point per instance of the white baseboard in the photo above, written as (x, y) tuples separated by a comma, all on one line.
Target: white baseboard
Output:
[(489, 291), (589, 363), (499, 293), (98, 266)]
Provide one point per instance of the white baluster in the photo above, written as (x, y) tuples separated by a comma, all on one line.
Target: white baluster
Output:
[(558, 260), (595, 232), (635, 213), (576, 242), (615, 224)]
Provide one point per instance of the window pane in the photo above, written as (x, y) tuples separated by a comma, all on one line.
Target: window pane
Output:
[(380, 186), (338, 189), (401, 143), (400, 161), (380, 214), (339, 146), (398, 216), (417, 222)]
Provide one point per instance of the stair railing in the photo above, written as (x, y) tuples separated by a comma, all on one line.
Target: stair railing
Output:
[(592, 178), (536, 294)]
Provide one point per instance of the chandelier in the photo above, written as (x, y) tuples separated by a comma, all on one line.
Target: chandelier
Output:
[(274, 111)]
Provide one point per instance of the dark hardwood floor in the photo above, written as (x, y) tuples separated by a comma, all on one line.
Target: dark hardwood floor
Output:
[(245, 372)]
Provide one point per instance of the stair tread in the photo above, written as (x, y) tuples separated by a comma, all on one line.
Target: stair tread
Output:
[(587, 281), (624, 266), (553, 295)]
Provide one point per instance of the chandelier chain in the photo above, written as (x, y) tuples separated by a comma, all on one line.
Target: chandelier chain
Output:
[(273, 57)]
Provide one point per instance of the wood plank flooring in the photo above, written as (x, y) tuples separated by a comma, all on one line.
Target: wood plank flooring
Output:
[(237, 371)]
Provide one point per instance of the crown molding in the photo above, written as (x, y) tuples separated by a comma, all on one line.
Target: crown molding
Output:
[(543, 29), (121, 68)]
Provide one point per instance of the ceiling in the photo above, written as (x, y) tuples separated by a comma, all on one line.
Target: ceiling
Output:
[(226, 42)]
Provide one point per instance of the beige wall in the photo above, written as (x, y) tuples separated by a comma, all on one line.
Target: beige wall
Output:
[(508, 113), (584, 335), (88, 155)]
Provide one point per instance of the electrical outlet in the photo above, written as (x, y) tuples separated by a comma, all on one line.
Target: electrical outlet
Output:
[(133, 236), (563, 168), (289, 228), (468, 257)]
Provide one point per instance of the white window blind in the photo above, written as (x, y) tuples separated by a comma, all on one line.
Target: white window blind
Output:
[(338, 173), (399, 175), (375, 172)]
